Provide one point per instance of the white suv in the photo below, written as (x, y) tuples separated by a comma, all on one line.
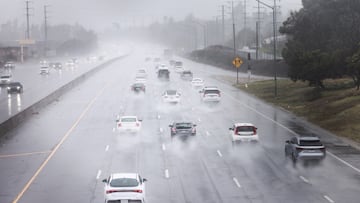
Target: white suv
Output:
[(5, 79), (210, 94)]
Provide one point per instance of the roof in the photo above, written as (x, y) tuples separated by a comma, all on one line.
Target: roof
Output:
[(308, 137), (244, 124), (124, 175)]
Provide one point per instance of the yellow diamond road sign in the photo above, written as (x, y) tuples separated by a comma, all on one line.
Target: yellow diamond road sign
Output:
[(237, 62)]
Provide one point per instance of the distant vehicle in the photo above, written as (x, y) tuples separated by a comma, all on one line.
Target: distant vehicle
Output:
[(14, 87), (5, 79), (197, 83), (163, 73), (168, 53), (124, 187), (56, 65), (138, 87), (178, 66), (243, 132), (140, 79), (210, 94), (172, 62), (9, 65), (44, 62), (128, 124), (44, 70), (157, 59), (186, 75), (182, 130), (70, 63), (147, 59), (306, 148), (171, 96), (141, 73)]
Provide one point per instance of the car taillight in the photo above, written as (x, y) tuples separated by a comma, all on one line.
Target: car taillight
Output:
[(219, 94), (254, 130), (193, 130), (119, 124), (137, 124), (110, 191), (299, 149), (138, 191), (173, 129)]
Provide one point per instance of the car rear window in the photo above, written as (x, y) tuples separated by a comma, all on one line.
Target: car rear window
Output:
[(183, 125), (124, 182), (128, 120), (212, 92), (310, 143), (178, 63), (245, 129), (171, 92)]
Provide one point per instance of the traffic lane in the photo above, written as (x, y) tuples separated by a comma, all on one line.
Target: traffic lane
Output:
[(279, 153), (43, 130)]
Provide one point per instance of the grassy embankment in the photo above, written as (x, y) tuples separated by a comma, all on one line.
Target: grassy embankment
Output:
[(336, 108)]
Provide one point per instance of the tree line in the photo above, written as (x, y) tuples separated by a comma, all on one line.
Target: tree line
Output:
[(324, 41)]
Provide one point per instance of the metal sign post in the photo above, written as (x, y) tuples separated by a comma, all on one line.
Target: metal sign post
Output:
[(237, 63)]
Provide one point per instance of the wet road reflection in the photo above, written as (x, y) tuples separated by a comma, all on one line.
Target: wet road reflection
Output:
[(10, 103)]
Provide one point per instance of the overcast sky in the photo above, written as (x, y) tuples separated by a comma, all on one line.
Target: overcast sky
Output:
[(98, 14)]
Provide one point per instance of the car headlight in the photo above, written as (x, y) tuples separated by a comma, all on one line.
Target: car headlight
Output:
[(8, 88), (18, 88)]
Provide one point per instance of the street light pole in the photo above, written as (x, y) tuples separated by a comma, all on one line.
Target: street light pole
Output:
[(274, 40)]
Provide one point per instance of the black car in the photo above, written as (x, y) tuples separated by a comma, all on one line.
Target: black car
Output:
[(14, 87), (138, 87), (182, 129), (163, 74)]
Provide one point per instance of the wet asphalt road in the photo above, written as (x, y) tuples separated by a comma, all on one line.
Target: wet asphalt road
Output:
[(63, 153)]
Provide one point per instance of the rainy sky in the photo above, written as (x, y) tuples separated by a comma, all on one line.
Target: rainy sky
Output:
[(99, 14)]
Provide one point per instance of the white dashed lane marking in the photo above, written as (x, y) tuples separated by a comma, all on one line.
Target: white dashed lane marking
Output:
[(167, 175), (329, 199), (98, 175), (219, 153), (107, 148), (304, 179), (236, 182)]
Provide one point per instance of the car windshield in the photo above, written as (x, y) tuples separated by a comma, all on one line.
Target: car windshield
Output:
[(15, 84), (128, 119), (310, 143), (5, 76), (124, 182), (183, 125)]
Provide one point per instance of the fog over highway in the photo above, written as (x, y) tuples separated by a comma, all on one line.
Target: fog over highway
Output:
[(62, 153)]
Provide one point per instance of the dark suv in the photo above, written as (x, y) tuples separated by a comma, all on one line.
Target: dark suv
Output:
[(182, 129), (186, 75), (163, 74)]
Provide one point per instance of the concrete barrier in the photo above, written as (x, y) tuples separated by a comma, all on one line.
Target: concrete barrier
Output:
[(21, 116)]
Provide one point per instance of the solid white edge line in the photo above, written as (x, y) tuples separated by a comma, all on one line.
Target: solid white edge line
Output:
[(291, 131), (304, 179), (167, 175), (329, 199), (236, 182), (107, 148), (219, 153), (163, 147), (98, 175)]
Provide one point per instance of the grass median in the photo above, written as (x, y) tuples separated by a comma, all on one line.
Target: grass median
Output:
[(335, 108)]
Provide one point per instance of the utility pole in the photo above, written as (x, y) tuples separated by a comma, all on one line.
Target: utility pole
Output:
[(27, 20), (223, 23), (234, 40), (258, 32), (45, 28), (245, 37)]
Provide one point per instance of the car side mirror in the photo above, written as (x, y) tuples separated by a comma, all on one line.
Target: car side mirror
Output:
[(170, 126), (117, 120), (194, 125), (104, 181), (231, 128), (144, 179), (140, 120), (287, 141)]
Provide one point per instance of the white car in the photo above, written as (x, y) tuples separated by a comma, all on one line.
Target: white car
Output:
[(44, 70), (128, 124), (124, 187), (141, 73), (210, 94), (243, 132), (171, 96), (197, 83), (5, 79)]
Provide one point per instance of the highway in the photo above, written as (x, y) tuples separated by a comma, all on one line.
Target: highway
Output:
[(62, 153)]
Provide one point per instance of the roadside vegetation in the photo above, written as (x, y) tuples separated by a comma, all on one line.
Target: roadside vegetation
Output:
[(335, 108)]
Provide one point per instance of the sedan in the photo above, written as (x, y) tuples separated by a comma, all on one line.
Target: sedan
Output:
[(128, 124), (243, 132), (197, 83), (171, 96), (14, 87), (138, 87), (182, 129), (124, 187)]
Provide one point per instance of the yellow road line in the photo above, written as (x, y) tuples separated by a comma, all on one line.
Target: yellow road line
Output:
[(23, 154), (26, 187)]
